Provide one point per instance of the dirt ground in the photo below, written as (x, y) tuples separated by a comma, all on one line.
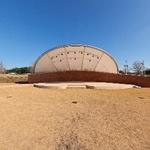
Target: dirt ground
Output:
[(9, 78), (73, 119)]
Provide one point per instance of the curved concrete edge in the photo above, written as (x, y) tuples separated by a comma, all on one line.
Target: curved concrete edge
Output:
[(110, 86), (84, 85), (39, 85)]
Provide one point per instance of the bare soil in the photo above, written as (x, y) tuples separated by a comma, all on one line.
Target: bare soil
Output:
[(8, 78), (73, 119)]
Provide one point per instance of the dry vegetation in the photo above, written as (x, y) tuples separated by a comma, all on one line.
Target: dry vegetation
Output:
[(8, 78), (74, 119)]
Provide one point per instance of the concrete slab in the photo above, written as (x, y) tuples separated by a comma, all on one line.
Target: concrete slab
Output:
[(84, 85)]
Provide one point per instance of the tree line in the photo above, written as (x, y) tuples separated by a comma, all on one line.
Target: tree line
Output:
[(19, 70), (137, 68)]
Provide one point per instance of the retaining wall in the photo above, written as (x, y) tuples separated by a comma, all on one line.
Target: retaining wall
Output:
[(89, 76)]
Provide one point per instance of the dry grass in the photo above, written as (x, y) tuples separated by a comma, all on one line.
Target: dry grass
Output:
[(74, 119), (8, 78)]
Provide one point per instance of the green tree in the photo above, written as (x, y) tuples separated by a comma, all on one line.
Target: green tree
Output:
[(20, 70)]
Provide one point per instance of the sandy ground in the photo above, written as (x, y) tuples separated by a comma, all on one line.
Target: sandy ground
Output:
[(74, 119)]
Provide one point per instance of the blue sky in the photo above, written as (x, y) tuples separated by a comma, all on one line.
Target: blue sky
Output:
[(30, 27)]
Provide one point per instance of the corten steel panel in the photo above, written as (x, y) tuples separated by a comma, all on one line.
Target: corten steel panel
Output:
[(75, 58), (89, 76)]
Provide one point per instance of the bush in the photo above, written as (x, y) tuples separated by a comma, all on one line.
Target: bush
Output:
[(147, 72)]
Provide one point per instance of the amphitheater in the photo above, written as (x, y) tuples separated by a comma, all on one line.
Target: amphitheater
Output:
[(77, 118), (81, 63)]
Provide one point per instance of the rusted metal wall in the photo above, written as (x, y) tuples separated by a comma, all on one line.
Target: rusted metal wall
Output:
[(89, 76)]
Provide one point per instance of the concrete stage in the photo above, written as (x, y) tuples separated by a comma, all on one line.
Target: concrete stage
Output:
[(84, 85)]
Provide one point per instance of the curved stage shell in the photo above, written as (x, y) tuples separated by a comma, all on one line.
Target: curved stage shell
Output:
[(80, 63), (75, 58)]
